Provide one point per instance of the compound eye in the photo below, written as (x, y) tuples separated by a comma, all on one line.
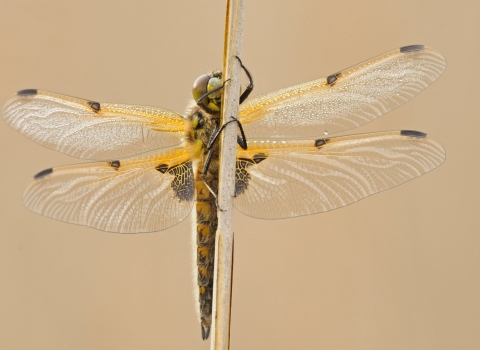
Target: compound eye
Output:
[(213, 84), (200, 86)]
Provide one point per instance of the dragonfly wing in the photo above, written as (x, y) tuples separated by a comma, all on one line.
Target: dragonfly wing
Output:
[(151, 192), (282, 179), (92, 130), (344, 100)]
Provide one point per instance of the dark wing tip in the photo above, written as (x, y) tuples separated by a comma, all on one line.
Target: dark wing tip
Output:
[(27, 92), (412, 133), (411, 48), (43, 173), (205, 332)]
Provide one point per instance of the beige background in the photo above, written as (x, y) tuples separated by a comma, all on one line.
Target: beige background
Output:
[(399, 270)]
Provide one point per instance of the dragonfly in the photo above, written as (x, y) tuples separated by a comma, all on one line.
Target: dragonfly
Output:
[(152, 164)]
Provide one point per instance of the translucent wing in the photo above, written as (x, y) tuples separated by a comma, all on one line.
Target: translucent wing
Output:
[(344, 100), (148, 193), (92, 130), (282, 179)]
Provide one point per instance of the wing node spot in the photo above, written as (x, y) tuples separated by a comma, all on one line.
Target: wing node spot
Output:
[(94, 105), (331, 79), (115, 164), (320, 142)]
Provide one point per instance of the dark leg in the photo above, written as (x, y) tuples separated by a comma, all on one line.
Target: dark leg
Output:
[(241, 140), (207, 165), (204, 177), (214, 136), (249, 88)]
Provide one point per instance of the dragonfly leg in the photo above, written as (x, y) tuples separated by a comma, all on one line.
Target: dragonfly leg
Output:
[(214, 136), (204, 177), (249, 88), (241, 140)]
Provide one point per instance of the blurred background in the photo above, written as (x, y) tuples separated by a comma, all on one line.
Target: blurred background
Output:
[(399, 270)]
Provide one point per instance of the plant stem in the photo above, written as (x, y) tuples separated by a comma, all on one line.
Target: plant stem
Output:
[(222, 293)]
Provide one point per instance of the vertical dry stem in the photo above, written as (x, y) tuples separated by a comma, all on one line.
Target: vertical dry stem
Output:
[(224, 237)]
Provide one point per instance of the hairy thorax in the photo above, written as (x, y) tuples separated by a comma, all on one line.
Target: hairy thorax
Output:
[(201, 127)]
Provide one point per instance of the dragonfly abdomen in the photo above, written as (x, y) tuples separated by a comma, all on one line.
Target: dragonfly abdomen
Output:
[(206, 227)]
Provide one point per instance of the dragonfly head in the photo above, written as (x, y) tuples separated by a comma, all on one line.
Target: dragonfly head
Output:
[(207, 90)]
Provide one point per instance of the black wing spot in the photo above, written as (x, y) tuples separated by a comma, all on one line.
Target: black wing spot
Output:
[(27, 92), (115, 164), (260, 157), (162, 168), (95, 106), (412, 133), (320, 142), (242, 176), (412, 48), (43, 173), (182, 184), (331, 79)]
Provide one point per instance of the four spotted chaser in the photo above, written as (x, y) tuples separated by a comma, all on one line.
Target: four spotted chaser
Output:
[(154, 164)]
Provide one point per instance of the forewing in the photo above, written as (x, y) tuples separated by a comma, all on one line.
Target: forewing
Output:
[(148, 193), (282, 179), (92, 130), (344, 100)]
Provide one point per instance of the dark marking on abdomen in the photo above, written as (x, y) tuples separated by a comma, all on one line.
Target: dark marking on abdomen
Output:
[(27, 92), (412, 48), (412, 133), (95, 105), (43, 173)]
